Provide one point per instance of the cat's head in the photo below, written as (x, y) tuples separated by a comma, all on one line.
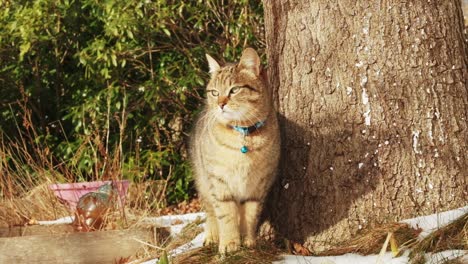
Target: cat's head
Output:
[(237, 93)]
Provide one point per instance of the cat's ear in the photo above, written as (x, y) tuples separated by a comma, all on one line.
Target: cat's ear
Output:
[(250, 61), (212, 63)]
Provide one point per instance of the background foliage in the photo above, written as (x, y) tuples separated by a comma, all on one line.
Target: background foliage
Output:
[(109, 89)]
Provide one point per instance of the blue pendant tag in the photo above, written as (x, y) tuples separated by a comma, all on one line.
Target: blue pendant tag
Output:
[(244, 149)]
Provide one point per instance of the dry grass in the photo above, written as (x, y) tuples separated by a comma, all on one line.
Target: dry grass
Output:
[(370, 241), (28, 166), (265, 252), (164, 242), (449, 237), (38, 204)]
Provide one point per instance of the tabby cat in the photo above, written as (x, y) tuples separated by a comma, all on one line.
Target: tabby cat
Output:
[(235, 149)]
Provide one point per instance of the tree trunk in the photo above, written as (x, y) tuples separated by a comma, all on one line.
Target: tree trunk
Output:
[(373, 99)]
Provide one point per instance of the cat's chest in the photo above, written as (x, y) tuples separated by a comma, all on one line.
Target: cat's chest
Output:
[(237, 164), (243, 171), (232, 142)]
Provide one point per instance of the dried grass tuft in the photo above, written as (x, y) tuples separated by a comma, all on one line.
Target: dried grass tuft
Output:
[(38, 204), (450, 237), (265, 252), (370, 241)]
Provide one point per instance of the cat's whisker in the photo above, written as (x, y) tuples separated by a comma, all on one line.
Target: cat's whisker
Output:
[(253, 118)]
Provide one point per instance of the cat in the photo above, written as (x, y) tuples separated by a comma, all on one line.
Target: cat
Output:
[(234, 150)]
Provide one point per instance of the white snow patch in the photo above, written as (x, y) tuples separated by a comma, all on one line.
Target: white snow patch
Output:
[(444, 256), (430, 133), (425, 222), (365, 102), (344, 259), (349, 90), (363, 81), (360, 165), (60, 221), (431, 222), (367, 117), (415, 142), (421, 163), (197, 242), (365, 30), (365, 97), (169, 220)]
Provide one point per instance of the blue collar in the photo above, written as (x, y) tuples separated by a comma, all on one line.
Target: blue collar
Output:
[(247, 130)]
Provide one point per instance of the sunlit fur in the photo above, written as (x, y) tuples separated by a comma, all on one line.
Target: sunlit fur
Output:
[(231, 184)]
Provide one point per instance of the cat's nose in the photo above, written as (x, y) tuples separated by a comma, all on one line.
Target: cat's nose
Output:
[(222, 101)]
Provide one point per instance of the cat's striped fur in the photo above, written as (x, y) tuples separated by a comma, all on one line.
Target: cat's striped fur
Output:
[(233, 185)]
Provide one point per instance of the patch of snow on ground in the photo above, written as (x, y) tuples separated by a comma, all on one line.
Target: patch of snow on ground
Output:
[(169, 220), (431, 222), (344, 259), (197, 242), (387, 258), (60, 221), (174, 222), (440, 257)]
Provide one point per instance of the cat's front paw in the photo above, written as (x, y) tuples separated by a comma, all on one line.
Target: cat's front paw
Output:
[(210, 239), (229, 247), (250, 242)]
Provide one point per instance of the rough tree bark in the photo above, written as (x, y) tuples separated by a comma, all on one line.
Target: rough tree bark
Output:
[(373, 101)]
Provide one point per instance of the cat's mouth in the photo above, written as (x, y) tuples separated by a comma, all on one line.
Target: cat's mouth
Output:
[(229, 114)]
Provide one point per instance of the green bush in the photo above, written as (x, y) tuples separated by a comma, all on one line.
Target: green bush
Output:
[(110, 88)]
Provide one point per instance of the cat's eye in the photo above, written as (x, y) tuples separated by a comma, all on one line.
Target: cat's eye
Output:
[(214, 93), (234, 90)]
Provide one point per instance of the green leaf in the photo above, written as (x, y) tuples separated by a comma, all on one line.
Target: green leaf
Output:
[(24, 48), (130, 34), (163, 259), (114, 59), (166, 31)]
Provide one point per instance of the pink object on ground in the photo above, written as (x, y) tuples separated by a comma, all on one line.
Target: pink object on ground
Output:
[(70, 193)]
